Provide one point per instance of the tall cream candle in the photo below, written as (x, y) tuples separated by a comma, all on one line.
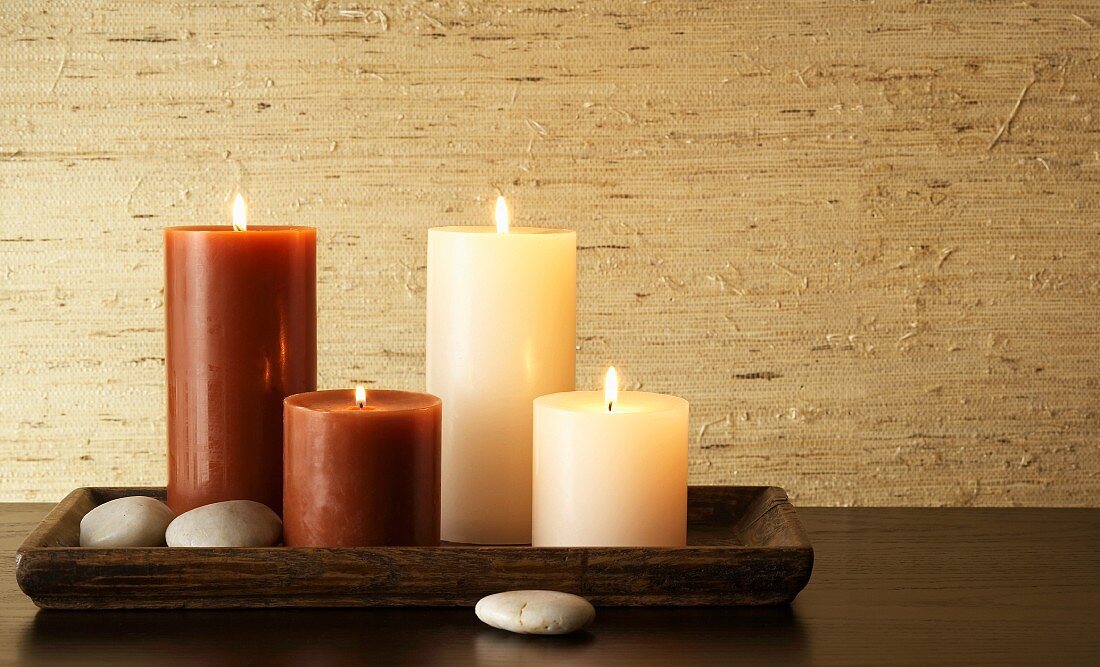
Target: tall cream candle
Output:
[(610, 470), (501, 331)]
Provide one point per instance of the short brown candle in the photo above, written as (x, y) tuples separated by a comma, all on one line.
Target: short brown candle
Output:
[(242, 336), (361, 473)]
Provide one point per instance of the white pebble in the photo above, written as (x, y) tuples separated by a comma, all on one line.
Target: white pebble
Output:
[(133, 521), (535, 612), (231, 523)]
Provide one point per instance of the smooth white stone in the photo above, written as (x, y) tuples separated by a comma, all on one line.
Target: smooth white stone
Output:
[(231, 523), (133, 521), (535, 612)]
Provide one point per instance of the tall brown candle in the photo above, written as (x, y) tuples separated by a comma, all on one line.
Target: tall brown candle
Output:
[(361, 470), (242, 336)]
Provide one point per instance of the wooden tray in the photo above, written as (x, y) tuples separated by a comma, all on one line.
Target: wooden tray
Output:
[(746, 546)]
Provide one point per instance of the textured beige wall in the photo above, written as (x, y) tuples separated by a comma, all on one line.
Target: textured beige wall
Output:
[(863, 239)]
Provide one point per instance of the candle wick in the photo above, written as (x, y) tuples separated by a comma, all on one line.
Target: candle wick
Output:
[(609, 406), (361, 404)]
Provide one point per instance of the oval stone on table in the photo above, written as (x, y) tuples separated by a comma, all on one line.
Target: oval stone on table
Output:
[(231, 523), (535, 612), (133, 521)]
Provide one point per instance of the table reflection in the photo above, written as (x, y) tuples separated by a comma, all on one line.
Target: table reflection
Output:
[(405, 636)]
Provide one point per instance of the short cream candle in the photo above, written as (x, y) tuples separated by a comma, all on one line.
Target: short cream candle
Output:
[(610, 469)]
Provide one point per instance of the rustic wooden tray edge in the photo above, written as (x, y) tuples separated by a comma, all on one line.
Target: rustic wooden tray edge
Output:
[(760, 556)]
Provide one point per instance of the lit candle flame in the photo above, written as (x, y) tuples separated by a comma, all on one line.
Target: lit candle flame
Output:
[(360, 396), (611, 387), (502, 216), (240, 214)]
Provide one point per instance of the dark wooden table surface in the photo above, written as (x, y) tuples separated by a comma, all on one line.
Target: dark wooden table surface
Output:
[(916, 586)]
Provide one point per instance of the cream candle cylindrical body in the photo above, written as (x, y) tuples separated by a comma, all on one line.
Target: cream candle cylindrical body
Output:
[(610, 477), (501, 331)]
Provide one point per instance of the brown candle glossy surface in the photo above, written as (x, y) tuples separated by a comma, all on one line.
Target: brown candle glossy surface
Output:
[(361, 476), (242, 336)]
